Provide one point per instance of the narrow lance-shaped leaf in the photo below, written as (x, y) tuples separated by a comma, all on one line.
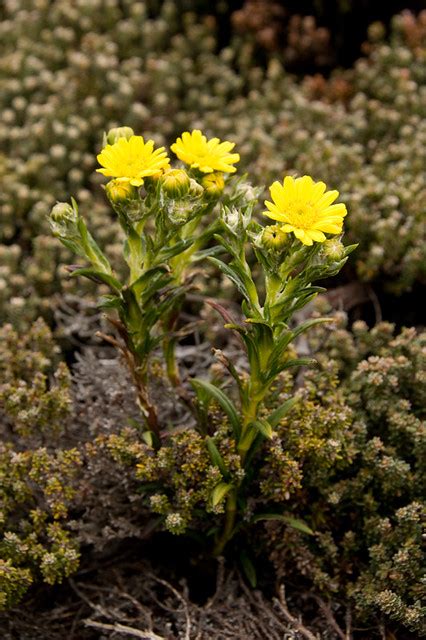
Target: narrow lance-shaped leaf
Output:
[(174, 250), (232, 370), (295, 523), (248, 568), (264, 427), (226, 404), (295, 362), (305, 326), (98, 276), (232, 275), (219, 492), (216, 458), (276, 416), (93, 251)]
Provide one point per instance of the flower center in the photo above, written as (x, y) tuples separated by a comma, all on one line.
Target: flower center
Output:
[(302, 215), (133, 168)]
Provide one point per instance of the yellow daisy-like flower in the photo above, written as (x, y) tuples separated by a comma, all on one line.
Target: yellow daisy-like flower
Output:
[(206, 155), (305, 208), (132, 160)]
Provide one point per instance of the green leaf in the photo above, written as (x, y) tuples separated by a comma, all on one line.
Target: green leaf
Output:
[(110, 302), (206, 253), (73, 246), (248, 568), (99, 277), (258, 320), (279, 349), (229, 248), (350, 248), (277, 415), (218, 353), (93, 251), (263, 427), (146, 277), (232, 274), (305, 326), (174, 250), (226, 404), (295, 523), (288, 303), (216, 458), (148, 438), (219, 493), (295, 362)]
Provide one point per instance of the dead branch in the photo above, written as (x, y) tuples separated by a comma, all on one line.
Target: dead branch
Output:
[(124, 629), (282, 605), (331, 620), (182, 600)]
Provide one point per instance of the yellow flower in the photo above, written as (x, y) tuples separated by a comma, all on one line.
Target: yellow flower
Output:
[(132, 159), (214, 184), (305, 208), (206, 155), (120, 190), (175, 183)]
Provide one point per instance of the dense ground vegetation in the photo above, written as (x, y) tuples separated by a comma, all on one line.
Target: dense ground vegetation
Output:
[(345, 468)]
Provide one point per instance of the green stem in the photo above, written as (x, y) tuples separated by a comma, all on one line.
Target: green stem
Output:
[(230, 517), (247, 432), (255, 394), (149, 410), (273, 285), (170, 358)]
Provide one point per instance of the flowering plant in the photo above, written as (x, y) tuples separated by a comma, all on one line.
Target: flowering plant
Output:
[(174, 218)]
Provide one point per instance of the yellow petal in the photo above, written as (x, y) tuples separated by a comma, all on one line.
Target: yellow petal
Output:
[(277, 193), (317, 236), (327, 199), (329, 227), (317, 191), (336, 209), (303, 237)]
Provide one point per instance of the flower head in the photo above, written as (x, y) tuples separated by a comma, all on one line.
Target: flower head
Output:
[(63, 212), (206, 155), (333, 250), (306, 209), (274, 238), (132, 159), (120, 190), (213, 184), (119, 132), (175, 183)]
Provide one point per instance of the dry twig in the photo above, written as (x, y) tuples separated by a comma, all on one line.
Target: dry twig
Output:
[(282, 604), (331, 620), (124, 629), (182, 600)]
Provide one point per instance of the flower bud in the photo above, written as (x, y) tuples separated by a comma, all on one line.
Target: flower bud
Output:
[(333, 250), (175, 183), (119, 191), (213, 184), (195, 189), (274, 238), (237, 220), (118, 132), (179, 212), (63, 220), (63, 212)]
